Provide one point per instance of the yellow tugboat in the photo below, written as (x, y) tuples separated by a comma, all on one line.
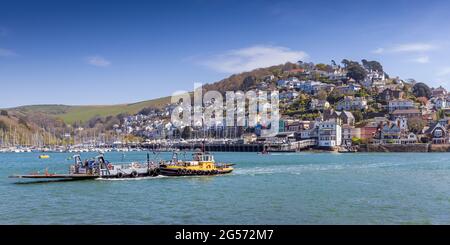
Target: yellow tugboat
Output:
[(202, 164)]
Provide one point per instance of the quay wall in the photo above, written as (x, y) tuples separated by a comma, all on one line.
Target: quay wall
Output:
[(230, 147), (297, 146), (394, 148), (439, 148)]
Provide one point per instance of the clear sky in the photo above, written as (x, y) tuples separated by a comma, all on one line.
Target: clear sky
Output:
[(107, 52)]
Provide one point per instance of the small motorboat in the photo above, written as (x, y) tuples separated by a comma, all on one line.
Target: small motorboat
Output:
[(44, 156)]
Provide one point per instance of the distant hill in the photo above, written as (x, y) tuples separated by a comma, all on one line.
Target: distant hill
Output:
[(71, 114)]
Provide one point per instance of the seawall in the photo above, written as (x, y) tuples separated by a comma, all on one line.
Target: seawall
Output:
[(395, 148)]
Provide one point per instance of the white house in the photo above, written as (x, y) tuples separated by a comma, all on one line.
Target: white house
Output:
[(329, 133), (320, 105), (352, 103), (289, 95), (374, 79), (400, 104), (440, 103)]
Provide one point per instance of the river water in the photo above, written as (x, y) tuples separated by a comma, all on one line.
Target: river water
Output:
[(300, 188)]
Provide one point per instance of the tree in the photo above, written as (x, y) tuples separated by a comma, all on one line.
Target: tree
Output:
[(356, 141), (354, 70), (362, 93), (324, 67), (334, 97), (372, 65), (146, 111), (357, 72), (4, 113), (421, 90), (440, 114), (345, 62), (248, 82), (416, 125), (358, 116)]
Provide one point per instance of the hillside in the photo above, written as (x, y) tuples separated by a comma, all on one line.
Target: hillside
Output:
[(71, 114), (244, 80)]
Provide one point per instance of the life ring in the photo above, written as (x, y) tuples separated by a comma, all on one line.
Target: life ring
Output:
[(119, 175), (184, 172), (189, 172), (179, 171), (134, 174)]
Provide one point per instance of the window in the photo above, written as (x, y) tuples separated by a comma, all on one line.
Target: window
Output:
[(438, 133)]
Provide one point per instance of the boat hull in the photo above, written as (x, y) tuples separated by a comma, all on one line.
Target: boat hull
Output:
[(177, 172)]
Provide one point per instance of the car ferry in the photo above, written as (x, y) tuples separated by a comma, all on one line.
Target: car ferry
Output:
[(202, 163), (98, 167)]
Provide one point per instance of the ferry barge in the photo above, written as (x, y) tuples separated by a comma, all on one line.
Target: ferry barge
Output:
[(98, 167)]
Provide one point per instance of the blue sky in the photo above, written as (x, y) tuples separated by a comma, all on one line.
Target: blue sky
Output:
[(108, 52)]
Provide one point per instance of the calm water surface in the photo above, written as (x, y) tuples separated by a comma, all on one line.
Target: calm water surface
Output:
[(303, 188)]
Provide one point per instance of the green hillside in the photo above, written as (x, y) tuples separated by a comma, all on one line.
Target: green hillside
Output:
[(72, 114)]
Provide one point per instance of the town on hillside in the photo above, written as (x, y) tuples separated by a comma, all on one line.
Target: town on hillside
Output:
[(348, 106)]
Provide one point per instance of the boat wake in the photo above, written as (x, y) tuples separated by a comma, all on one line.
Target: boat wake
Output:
[(128, 179), (303, 168)]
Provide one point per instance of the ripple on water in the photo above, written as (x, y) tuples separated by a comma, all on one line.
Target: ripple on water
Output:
[(316, 188)]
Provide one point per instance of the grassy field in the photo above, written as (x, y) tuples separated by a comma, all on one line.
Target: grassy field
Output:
[(72, 114)]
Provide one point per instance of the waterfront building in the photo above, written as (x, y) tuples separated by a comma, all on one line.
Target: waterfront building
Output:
[(348, 133), (368, 131), (344, 117), (329, 133), (438, 134), (390, 132)]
